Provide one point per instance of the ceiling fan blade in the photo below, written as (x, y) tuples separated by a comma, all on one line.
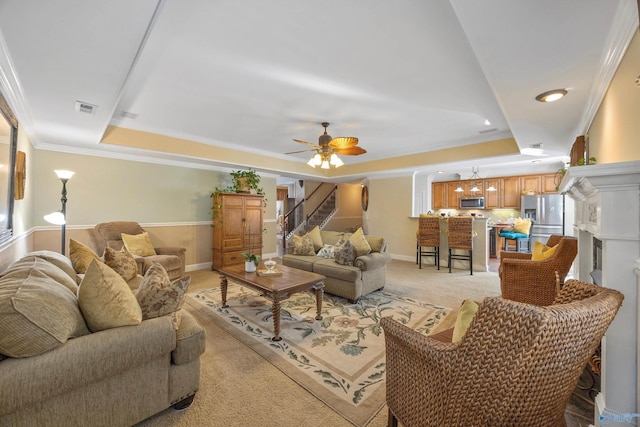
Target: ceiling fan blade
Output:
[(301, 151), (305, 142), (350, 151), (343, 142)]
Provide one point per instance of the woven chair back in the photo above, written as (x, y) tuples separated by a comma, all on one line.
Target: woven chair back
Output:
[(428, 231), (460, 233), (517, 364)]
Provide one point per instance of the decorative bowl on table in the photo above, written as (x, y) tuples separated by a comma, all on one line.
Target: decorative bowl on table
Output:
[(270, 264)]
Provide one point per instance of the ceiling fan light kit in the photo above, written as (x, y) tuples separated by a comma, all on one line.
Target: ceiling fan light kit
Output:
[(327, 149)]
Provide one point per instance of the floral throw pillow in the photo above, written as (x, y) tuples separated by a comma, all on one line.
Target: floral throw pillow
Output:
[(302, 245), (326, 251), (344, 252), (121, 262), (158, 296)]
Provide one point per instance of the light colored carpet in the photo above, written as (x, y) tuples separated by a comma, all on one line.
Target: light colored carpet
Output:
[(238, 387), (339, 359)]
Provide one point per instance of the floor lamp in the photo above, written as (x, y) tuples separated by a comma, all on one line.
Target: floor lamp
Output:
[(60, 217)]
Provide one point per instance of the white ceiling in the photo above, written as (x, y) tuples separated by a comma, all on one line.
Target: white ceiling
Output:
[(405, 77)]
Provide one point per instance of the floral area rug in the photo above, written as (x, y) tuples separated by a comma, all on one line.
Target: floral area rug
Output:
[(341, 358)]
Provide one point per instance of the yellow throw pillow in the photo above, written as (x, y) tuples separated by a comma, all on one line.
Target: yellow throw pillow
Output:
[(138, 244), (81, 256), (360, 244), (522, 226), (316, 238), (542, 251), (106, 300), (465, 317)]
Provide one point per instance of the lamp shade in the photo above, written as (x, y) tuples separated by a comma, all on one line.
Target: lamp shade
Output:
[(64, 174), (56, 218)]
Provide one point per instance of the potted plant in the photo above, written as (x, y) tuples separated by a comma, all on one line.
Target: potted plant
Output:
[(246, 181), (251, 261)]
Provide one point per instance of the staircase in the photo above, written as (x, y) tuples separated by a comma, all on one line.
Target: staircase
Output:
[(325, 198)]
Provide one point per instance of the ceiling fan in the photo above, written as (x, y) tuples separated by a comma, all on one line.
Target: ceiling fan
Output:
[(328, 148)]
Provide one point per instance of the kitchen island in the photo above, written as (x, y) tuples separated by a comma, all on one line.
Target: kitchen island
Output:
[(480, 247)]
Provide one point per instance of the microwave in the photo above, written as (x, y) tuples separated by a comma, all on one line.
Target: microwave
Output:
[(472, 203)]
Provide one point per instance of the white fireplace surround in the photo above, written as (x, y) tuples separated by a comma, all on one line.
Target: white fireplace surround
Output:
[(607, 206)]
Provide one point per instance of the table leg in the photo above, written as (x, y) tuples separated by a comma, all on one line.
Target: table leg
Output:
[(223, 291), (319, 292), (275, 310)]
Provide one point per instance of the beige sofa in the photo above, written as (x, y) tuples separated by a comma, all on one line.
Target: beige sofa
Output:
[(60, 374), (367, 274)]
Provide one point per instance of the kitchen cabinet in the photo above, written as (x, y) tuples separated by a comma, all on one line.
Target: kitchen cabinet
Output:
[(453, 197), (510, 192), (468, 185), (530, 184), (237, 228), (549, 184), (492, 198), (439, 195)]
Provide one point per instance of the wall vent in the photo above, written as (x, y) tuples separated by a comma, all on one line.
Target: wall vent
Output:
[(85, 107), (488, 130)]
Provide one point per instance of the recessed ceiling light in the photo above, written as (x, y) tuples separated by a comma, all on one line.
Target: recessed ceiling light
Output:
[(487, 122), (551, 95)]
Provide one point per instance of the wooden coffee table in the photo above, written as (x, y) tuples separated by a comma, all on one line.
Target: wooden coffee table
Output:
[(274, 288)]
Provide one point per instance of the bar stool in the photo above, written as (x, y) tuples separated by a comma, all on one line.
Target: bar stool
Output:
[(460, 235), (520, 234), (429, 237)]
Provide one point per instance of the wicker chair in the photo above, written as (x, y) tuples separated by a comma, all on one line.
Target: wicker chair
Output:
[(429, 237), (460, 236), (534, 282), (517, 365)]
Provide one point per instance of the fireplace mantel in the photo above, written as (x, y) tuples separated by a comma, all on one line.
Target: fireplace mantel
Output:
[(607, 207)]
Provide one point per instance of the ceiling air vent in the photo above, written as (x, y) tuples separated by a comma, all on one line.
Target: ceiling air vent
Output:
[(85, 107), (487, 130)]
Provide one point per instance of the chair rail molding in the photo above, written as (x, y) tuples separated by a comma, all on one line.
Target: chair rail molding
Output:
[(607, 199)]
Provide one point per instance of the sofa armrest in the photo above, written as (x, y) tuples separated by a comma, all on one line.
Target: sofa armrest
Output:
[(372, 261), (171, 250), (81, 361)]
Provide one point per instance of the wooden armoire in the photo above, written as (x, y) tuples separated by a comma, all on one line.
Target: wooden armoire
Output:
[(237, 227)]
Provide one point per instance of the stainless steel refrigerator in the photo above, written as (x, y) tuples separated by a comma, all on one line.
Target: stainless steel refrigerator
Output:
[(547, 213)]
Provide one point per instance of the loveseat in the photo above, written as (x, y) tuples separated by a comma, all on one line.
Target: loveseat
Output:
[(54, 371), (367, 272)]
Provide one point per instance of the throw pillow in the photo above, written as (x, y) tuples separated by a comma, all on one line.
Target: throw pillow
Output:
[(81, 256), (302, 245), (316, 238), (38, 314), (59, 260), (522, 226), (106, 300), (121, 262), (542, 251), (465, 316), (375, 242), (158, 296), (32, 265), (326, 251), (360, 244), (138, 244), (344, 252)]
